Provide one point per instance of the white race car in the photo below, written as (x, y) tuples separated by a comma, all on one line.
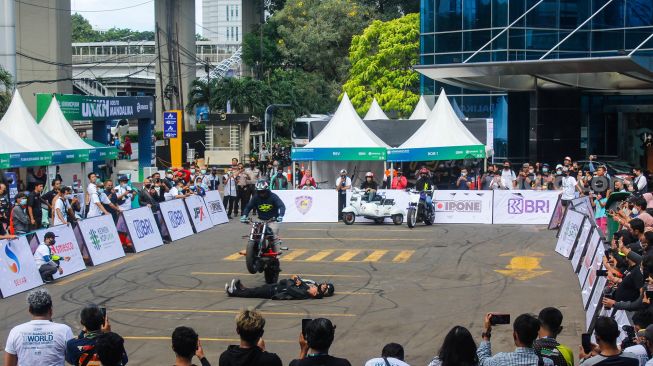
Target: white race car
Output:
[(377, 209)]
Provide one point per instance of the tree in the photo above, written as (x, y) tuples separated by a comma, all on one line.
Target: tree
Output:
[(382, 58), (6, 89), (199, 94), (244, 95), (390, 9), (260, 48), (82, 31)]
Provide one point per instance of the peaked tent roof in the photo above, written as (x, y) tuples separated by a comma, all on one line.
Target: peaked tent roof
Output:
[(459, 112), (421, 110), (375, 112), (346, 130), (55, 125)]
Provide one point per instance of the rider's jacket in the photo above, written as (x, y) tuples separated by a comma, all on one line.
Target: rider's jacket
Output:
[(424, 184), (369, 185), (269, 207)]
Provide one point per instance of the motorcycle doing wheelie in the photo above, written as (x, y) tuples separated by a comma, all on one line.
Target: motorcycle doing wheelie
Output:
[(418, 208), (261, 254)]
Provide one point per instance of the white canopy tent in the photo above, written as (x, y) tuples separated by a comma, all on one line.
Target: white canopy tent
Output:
[(55, 125), (375, 112), (421, 110)]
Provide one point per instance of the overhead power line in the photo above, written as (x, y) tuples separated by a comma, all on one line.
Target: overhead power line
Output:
[(83, 11)]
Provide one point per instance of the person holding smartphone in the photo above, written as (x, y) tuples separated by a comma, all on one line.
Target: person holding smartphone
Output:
[(251, 350), (94, 322)]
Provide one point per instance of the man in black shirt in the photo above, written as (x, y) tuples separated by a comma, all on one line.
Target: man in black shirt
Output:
[(34, 206), (186, 344), (369, 185), (49, 196), (628, 287), (251, 351), (315, 345), (294, 288)]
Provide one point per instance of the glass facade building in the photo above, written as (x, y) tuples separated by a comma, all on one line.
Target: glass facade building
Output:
[(509, 32)]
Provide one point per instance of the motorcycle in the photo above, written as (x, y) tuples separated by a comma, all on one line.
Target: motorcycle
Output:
[(377, 209), (260, 255), (418, 211)]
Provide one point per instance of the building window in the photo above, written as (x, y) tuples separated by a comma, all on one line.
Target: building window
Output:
[(236, 10), (232, 11), (237, 32), (227, 13)]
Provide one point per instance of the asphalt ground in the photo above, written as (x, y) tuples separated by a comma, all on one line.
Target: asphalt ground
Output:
[(393, 284)]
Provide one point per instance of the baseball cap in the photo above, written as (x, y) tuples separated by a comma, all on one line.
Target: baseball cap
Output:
[(567, 158), (123, 178), (559, 166), (525, 165), (648, 333), (49, 235)]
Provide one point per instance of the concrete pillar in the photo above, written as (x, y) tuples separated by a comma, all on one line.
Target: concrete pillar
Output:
[(8, 37)]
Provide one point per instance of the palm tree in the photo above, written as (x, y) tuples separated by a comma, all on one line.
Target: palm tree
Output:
[(6, 88), (244, 95), (200, 90)]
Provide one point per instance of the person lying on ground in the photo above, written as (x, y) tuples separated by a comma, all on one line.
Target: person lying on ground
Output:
[(294, 288)]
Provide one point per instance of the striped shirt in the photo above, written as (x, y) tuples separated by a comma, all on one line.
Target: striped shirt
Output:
[(522, 356)]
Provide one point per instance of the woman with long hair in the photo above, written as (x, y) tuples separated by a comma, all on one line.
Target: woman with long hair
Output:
[(458, 349)]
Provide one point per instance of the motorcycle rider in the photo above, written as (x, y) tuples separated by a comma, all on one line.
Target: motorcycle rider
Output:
[(370, 186), (425, 183), (268, 206)]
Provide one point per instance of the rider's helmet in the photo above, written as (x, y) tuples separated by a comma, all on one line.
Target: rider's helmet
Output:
[(423, 171), (262, 187), (325, 289), (369, 175)]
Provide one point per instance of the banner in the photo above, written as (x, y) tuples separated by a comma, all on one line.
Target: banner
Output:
[(463, 207), (176, 219), (215, 205), (590, 283), (585, 231), (524, 207), (17, 267), (199, 214), (339, 153), (142, 228), (101, 239), (66, 245), (88, 107), (557, 215), (569, 233), (437, 153), (593, 249), (595, 302), (310, 205)]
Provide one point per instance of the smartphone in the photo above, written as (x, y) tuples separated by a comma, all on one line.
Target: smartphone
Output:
[(104, 312), (649, 294), (498, 319), (586, 341), (601, 272), (305, 322)]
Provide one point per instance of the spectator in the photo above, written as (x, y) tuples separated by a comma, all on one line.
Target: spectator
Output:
[(488, 177), (168, 181), (48, 197), (34, 207), (463, 182), (22, 350), (109, 199), (525, 178), (546, 345), (5, 205), (186, 344), (46, 260), (212, 181), (230, 199), (569, 187), (242, 189), (84, 347), (525, 330), (178, 190), (392, 354), (567, 162), (628, 286), (253, 175), (294, 288), (640, 185), (308, 182), (343, 184), (458, 349), (279, 180), (400, 181), (314, 346), (600, 215), (110, 348), (127, 148), (251, 350), (508, 177), (607, 352), (148, 195), (124, 193), (369, 186), (198, 189), (641, 320), (647, 342), (60, 207), (93, 201), (19, 221)]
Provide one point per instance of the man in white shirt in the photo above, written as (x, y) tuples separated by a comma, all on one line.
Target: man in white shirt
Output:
[(46, 260), (124, 193), (39, 341), (569, 187), (95, 207), (391, 355), (230, 199), (343, 184), (508, 177), (640, 184)]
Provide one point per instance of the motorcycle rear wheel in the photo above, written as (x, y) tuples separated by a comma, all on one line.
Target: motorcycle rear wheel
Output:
[(348, 218), (271, 274), (411, 217), (250, 256)]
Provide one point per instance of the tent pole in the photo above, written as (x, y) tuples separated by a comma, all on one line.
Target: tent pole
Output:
[(292, 173), (392, 173)]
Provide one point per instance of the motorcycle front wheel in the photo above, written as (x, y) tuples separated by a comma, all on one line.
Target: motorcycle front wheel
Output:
[(271, 273), (250, 256), (411, 217), (429, 218), (348, 218)]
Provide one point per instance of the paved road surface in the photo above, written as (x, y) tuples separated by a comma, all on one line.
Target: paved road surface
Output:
[(393, 284)]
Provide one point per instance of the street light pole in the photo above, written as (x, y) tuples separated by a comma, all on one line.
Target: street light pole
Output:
[(268, 117), (208, 88)]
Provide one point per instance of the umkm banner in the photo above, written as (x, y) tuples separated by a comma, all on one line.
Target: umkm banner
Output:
[(101, 238)]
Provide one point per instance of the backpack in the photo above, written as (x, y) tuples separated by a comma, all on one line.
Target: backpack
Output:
[(89, 357)]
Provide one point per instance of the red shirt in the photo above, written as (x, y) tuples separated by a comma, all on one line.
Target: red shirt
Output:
[(399, 182)]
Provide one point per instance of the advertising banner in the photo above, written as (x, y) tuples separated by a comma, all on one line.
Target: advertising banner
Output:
[(215, 205), (569, 233), (310, 205), (524, 207), (463, 207), (65, 246), (101, 239), (87, 107), (595, 302), (585, 232), (176, 219), (437, 153), (557, 215), (594, 248), (142, 228), (199, 214), (592, 279), (584, 206), (170, 121), (18, 270), (339, 153)]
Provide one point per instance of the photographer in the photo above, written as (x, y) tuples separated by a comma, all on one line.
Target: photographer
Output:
[(525, 177), (124, 193), (525, 331), (629, 287), (637, 344), (607, 352)]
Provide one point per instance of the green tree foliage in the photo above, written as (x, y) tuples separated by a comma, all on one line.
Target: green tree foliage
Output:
[(260, 48), (382, 58), (390, 9), (244, 94), (82, 31), (6, 89)]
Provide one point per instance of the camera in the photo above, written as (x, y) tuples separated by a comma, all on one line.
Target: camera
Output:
[(601, 272), (630, 336)]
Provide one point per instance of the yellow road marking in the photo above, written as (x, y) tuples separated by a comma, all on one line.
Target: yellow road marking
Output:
[(357, 239), (212, 291), (247, 274), (234, 257), (201, 311), (203, 339), (403, 256), (319, 256), (523, 268), (294, 254), (95, 270), (347, 256), (375, 256)]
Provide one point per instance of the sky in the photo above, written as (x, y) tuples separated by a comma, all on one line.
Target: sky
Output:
[(139, 14)]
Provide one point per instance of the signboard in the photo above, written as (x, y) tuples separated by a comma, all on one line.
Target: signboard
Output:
[(101, 239), (343, 153), (437, 153), (595, 302), (460, 207), (585, 231), (215, 206), (592, 279), (176, 219), (593, 249), (557, 215), (18, 270), (87, 107), (310, 205), (569, 233), (199, 214), (584, 206), (170, 124), (524, 206), (65, 246), (142, 228)]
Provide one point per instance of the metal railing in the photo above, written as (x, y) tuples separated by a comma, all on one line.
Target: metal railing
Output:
[(91, 87)]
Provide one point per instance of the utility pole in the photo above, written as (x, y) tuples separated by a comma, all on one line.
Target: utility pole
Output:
[(268, 117), (207, 69)]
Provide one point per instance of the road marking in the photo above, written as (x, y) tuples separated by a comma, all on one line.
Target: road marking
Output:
[(248, 274), (375, 256), (523, 268), (403, 256), (203, 339), (347, 256), (215, 291), (93, 271), (294, 254), (376, 229), (357, 239), (234, 257), (319, 256), (202, 311)]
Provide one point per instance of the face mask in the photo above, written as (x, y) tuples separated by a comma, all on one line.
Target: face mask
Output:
[(192, 171), (203, 171), (545, 170), (463, 173), (531, 171), (506, 167), (22, 202), (123, 184), (169, 176), (559, 171), (635, 211), (69, 196), (53, 242)]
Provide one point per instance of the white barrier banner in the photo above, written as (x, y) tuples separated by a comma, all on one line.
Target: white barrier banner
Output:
[(463, 207), (65, 246), (142, 228), (524, 207), (585, 232), (594, 248), (176, 219), (18, 270), (592, 279), (101, 238), (216, 207), (595, 301), (310, 205), (569, 233), (401, 198), (199, 214)]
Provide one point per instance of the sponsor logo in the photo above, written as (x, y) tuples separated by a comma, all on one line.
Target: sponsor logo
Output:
[(143, 228), (304, 204), (518, 206), (101, 237), (459, 206), (215, 206), (15, 266), (95, 239), (571, 231), (199, 213), (265, 207), (176, 218)]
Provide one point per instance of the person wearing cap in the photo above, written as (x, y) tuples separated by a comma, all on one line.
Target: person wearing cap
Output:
[(124, 193), (567, 162), (343, 184), (97, 199), (46, 259), (400, 181), (569, 186), (525, 178), (168, 181), (508, 177), (294, 288)]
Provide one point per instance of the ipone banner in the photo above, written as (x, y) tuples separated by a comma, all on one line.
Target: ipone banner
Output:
[(524, 206), (215, 206), (176, 219), (310, 205), (569, 233), (65, 246), (437, 153), (18, 270), (339, 153), (87, 107), (101, 239), (463, 207), (142, 228), (199, 214)]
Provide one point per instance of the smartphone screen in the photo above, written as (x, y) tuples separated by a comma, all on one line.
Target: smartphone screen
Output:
[(497, 319), (104, 312), (649, 294), (586, 342), (305, 322)]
